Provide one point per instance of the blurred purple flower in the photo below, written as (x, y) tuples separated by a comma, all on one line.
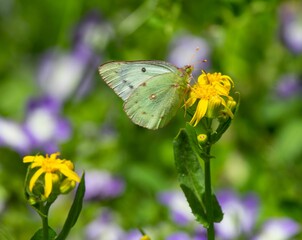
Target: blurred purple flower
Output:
[(289, 85), (179, 236), (104, 228), (200, 233), (239, 214), (178, 205), (13, 135), (133, 235), (62, 74), (278, 229), (183, 52), (44, 124), (65, 74), (92, 32), (102, 185), (291, 26)]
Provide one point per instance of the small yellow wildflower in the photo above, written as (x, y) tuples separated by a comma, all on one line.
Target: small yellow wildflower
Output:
[(212, 90), (51, 167), (201, 138)]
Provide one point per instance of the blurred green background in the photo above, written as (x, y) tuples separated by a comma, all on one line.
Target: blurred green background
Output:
[(248, 40)]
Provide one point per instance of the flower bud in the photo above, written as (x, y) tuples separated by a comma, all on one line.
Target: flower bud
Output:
[(67, 185), (201, 138)]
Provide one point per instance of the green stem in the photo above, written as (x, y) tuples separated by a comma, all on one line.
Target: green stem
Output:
[(44, 216), (208, 199), (208, 185)]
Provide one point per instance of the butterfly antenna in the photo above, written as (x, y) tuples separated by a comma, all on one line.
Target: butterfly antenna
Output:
[(193, 57)]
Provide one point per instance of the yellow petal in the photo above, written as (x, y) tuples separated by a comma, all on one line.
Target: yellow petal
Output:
[(200, 111), (54, 155), (28, 159), (36, 164), (70, 174), (190, 101), (34, 178), (48, 184)]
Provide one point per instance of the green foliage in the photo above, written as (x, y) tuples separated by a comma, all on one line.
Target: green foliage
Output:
[(74, 211), (39, 235), (191, 176), (260, 149)]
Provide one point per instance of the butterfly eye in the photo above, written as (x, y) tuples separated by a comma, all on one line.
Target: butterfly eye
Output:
[(144, 69)]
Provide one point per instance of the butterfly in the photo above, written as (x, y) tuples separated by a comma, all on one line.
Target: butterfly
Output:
[(152, 91)]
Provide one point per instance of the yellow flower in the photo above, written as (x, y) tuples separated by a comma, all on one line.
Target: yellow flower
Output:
[(201, 138), (212, 91), (51, 167)]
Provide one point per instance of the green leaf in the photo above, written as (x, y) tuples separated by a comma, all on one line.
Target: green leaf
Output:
[(39, 234), (217, 211), (190, 175), (192, 136), (74, 211)]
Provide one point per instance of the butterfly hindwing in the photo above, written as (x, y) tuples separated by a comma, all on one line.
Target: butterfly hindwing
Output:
[(125, 77), (154, 102)]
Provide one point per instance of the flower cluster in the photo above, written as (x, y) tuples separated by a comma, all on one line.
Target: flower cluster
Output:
[(49, 172), (212, 93)]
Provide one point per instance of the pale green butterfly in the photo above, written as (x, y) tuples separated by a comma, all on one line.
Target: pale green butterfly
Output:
[(152, 91)]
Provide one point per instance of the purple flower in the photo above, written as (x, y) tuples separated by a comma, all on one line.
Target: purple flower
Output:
[(64, 74), (200, 234), (239, 214), (133, 235), (92, 32), (44, 124), (102, 185), (291, 26), (183, 52), (278, 229), (13, 135), (179, 236), (178, 205), (104, 228), (289, 85)]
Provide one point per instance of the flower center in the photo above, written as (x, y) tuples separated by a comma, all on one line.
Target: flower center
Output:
[(204, 91), (49, 165)]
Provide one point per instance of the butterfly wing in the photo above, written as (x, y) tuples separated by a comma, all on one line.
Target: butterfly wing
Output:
[(155, 102), (125, 77)]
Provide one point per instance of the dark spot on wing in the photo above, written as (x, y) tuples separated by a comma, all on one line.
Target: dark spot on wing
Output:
[(144, 69), (152, 97), (124, 81), (131, 86)]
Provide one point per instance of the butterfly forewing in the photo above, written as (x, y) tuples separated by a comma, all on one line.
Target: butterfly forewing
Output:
[(125, 77), (153, 103)]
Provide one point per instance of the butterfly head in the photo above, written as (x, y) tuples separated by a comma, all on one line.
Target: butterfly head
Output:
[(186, 72), (188, 69)]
